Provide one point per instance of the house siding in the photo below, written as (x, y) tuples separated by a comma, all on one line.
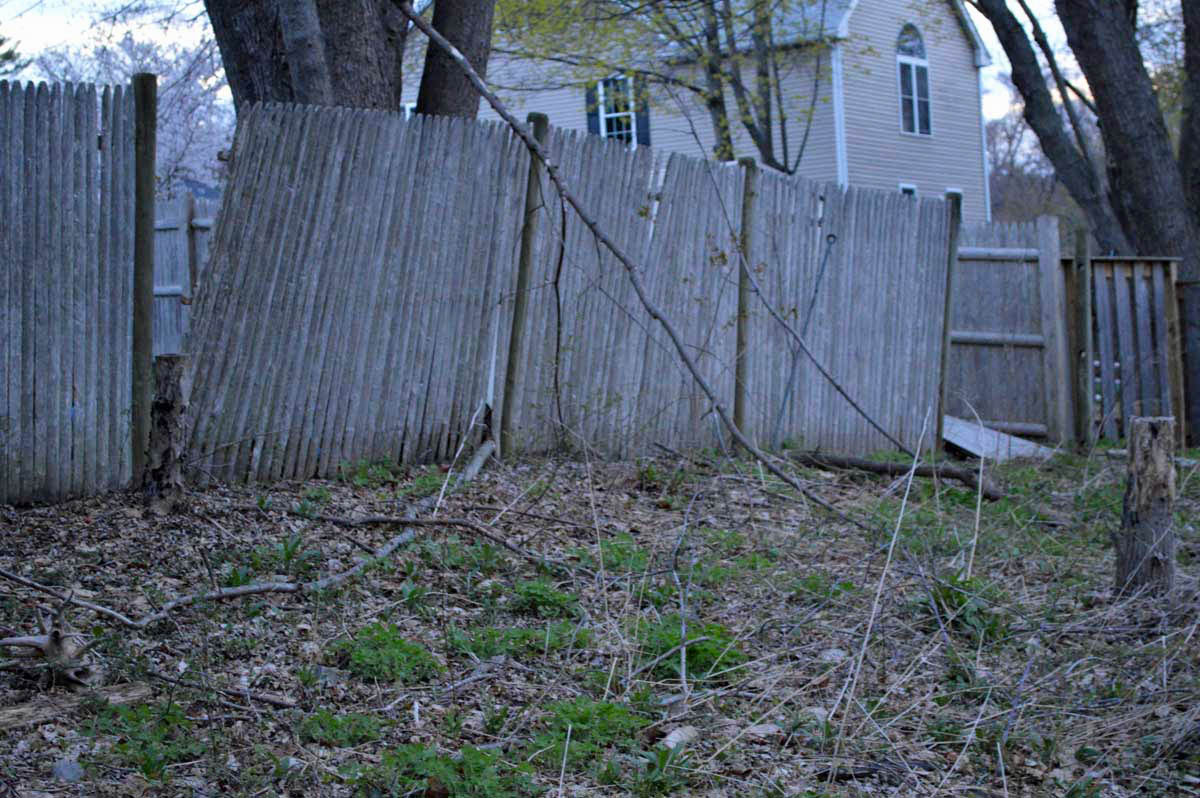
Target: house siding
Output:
[(879, 155)]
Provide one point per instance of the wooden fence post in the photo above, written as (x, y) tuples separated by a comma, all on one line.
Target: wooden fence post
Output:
[(954, 223), (740, 371), (1059, 375), (516, 339), (189, 218), (1145, 546), (145, 100), (1079, 315), (1187, 334)]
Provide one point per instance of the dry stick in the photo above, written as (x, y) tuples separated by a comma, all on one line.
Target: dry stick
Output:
[(963, 475), (862, 652), (631, 268)]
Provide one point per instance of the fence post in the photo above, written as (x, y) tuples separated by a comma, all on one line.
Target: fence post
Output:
[(1079, 307), (954, 221), (533, 204), (740, 379), (1058, 372), (1181, 388), (1189, 335), (189, 218), (145, 102)]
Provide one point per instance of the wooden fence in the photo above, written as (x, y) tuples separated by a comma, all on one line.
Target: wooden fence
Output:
[(181, 238), (360, 293), (1009, 351), (66, 267), (1138, 364)]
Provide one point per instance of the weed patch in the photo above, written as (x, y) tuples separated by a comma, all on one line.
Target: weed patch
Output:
[(379, 652)]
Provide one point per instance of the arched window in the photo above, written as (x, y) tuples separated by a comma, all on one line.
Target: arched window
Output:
[(913, 69)]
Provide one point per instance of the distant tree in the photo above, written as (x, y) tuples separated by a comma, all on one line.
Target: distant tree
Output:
[(733, 56), (194, 119), (445, 89), (10, 59)]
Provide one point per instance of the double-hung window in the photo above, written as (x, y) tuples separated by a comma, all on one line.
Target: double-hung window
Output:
[(913, 68), (617, 109)]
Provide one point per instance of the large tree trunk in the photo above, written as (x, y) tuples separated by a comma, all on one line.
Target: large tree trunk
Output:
[(362, 50), (1189, 136), (1070, 165), (445, 89), (1142, 168)]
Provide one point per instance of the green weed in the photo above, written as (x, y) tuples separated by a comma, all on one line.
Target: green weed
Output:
[(150, 737), (487, 642), (596, 728), (716, 658), (540, 598), (379, 652), (339, 731), (420, 770)]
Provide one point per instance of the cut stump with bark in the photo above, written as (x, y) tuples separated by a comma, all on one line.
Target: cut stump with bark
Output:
[(168, 431), (1145, 544)]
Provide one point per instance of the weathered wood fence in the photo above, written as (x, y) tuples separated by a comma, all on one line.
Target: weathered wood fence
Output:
[(66, 267), (181, 237), (1009, 361), (360, 296), (1017, 340)]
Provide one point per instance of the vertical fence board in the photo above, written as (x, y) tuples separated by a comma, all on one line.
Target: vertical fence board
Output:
[(1105, 323), (1125, 344), (1146, 361)]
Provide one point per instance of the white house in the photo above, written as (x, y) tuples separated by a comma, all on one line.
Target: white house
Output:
[(897, 106)]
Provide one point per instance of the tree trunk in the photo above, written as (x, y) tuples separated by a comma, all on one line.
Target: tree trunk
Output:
[(168, 431), (1145, 546), (714, 86), (1142, 166), (445, 89), (1070, 165), (304, 48), (361, 53), (1189, 135)]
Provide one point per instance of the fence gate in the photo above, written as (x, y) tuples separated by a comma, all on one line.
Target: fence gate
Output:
[(1008, 356), (181, 232), (1137, 366)]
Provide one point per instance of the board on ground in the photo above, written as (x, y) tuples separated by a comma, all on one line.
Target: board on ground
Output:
[(992, 444)]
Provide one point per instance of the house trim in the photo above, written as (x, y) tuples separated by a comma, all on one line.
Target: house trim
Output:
[(987, 168), (982, 57), (839, 115)]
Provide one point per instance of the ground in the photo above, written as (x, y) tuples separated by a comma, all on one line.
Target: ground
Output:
[(537, 650)]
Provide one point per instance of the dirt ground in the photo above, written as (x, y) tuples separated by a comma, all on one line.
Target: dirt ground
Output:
[(915, 641)]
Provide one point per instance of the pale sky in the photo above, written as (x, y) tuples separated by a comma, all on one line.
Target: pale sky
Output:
[(39, 24)]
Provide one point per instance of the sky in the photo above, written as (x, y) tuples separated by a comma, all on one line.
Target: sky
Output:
[(40, 24)]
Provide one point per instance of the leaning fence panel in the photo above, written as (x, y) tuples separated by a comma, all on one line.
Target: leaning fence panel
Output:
[(66, 255)]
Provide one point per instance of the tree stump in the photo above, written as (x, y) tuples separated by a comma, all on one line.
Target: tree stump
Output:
[(1146, 543), (168, 431)]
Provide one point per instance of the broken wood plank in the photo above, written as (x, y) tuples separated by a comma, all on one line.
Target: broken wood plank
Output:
[(50, 707), (992, 444)]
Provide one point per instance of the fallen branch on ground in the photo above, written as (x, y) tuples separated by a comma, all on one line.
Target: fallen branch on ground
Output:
[(47, 708), (963, 475), (59, 650)]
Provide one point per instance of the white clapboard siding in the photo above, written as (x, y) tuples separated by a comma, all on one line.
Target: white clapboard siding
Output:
[(358, 299), (66, 266)]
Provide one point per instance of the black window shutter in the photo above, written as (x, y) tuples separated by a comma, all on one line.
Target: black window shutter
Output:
[(642, 104), (593, 110)]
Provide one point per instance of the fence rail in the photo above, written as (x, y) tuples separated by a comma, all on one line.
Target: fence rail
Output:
[(359, 298), (66, 265)]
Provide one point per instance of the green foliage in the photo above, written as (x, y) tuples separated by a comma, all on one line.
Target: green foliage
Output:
[(420, 770), (365, 474), (717, 658), (319, 495), (380, 652), (819, 586), (424, 484), (339, 731), (660, 773), (596, 728), (150, 737), (486, 642), (449, 552), (621, 554), (967, 606), (10, 60), (542, 599)]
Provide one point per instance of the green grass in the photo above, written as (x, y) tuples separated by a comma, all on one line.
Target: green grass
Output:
[(150, 737), (339, 731), (716, 659), (415, 770), (381, 653), (485, 642), (542, 599), (597, 728)]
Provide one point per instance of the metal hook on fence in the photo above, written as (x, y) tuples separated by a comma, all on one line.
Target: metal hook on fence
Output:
[(830, 240)]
